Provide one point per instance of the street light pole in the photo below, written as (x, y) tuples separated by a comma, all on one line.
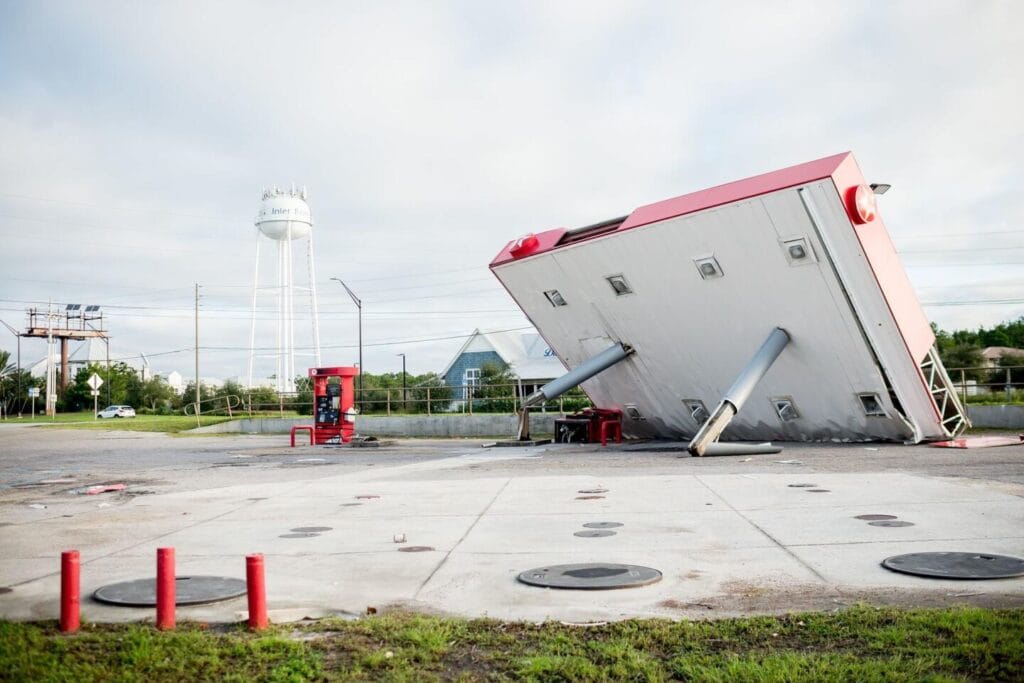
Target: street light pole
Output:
[(405, 397), (359, 307)]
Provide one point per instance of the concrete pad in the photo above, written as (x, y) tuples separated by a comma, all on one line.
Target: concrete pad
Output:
[(730, 536)]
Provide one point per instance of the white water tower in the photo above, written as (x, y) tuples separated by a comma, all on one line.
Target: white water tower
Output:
[(284, 217)]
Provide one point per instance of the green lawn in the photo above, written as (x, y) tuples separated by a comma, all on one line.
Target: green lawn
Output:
[(859, 644), (141, 423)]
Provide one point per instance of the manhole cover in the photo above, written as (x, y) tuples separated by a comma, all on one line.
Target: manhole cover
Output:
[(415, 549), (802, 486), (597, 490), (590, 576), (949, 565), (311, 529), (188, 590), (818, 491), (890, 522), (589, 497), (301, 534), (602, 525), (873, 518), (594, 533)]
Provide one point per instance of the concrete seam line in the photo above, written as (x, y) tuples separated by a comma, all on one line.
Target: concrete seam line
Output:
[(766, 534), (459, 542)]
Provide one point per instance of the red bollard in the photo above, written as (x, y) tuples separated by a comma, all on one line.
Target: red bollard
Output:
[(165, 596), (70, 590), (257, 590)]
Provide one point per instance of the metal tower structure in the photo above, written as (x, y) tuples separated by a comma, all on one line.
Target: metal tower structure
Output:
[(284, 217)]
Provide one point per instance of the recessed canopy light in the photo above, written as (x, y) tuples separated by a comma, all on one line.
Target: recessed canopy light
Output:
[(708, 267), (880, 188), (554, 298), (619, 285)]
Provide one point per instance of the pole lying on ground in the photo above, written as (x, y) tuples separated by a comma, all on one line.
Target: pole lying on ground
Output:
[(581, 373), (70, 589), (257, 592), (740, 391), (165, 589)]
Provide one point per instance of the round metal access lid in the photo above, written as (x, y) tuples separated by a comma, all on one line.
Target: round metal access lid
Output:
[(948, 565), (590, 576), (188, 590)]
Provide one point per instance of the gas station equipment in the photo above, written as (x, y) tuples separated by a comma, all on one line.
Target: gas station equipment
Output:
[(333, 404)]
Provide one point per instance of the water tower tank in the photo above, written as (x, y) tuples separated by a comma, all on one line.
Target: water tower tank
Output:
[(284, 214)]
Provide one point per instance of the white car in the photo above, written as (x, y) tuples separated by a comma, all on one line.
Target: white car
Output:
[(116, 411)]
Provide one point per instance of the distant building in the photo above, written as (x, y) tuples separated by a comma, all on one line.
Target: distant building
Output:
[(175, 381), (89, 351), (527, 356), (992, 354)]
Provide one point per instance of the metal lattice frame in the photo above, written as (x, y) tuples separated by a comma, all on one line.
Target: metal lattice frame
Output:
[(940, 386)]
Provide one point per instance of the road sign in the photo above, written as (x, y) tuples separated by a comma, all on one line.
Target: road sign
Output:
[(94, 392), (94, 382), (33, 392)]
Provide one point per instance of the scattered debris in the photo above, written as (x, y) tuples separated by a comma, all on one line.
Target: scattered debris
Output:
[(790, 462), (37, 506), (57, 481), (367, 496), (871, 449), (589, 497), (371, 610), (398, 538), (415, 549)]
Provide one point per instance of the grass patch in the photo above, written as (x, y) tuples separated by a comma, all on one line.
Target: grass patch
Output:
[(170, 424), (861, 644)]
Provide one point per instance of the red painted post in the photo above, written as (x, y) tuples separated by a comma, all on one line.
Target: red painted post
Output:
[(257, 590), (165, 594), (70, 590)]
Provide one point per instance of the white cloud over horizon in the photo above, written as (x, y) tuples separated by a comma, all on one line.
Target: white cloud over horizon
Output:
[(137, 138)]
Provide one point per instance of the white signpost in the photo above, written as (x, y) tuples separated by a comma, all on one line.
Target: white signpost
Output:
[(95, 382), (33, 393)]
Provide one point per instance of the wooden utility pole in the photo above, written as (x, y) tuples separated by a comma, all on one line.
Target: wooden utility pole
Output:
[(197, 349)]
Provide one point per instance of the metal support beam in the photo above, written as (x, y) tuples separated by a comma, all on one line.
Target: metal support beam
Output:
[(578, 375), (740, 391)]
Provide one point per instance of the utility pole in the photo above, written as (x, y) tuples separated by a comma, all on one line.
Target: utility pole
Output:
[(404, 396), (197, 349)]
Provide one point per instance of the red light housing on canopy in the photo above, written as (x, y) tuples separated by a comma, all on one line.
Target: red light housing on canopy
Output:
[(862, 206), (524, 245)]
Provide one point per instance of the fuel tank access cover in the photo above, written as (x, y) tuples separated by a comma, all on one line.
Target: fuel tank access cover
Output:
[(590, 576), (949, 565)]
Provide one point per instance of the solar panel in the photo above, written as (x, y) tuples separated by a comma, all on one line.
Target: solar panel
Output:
[(72, 307), (91, 309)]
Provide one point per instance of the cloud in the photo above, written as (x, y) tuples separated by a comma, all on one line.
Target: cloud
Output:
[(431, 134)]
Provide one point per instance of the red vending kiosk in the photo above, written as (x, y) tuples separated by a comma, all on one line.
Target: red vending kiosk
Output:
[(333, 404)]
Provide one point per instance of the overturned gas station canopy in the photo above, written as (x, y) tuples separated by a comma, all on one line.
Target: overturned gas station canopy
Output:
[(694, 285)]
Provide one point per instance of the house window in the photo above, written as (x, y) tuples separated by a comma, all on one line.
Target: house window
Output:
[(471, 378)]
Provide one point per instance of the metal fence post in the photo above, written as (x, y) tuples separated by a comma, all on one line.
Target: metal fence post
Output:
[(428, 400), (469, 390), (389, 400), (963, 384), (1009, 387)]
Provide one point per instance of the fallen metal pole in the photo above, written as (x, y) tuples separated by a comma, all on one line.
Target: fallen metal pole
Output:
[(740, 391), (578, 375)]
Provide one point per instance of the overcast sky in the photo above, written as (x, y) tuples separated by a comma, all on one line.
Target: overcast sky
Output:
[(136, 139)]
